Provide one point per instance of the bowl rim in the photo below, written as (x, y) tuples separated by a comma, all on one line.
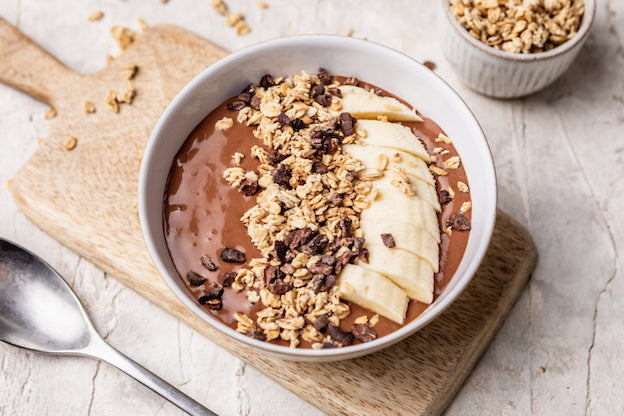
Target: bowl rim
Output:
[(581, 34), (279, 350)]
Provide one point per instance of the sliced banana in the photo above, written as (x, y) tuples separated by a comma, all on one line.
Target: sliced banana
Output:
[(411, 273), (406, 237), (374, 291), (392, 203), (412, 165), (420, 188), (366, 104), (392, 135)]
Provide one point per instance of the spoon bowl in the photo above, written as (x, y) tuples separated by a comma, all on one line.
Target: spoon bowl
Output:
[(40, 312)]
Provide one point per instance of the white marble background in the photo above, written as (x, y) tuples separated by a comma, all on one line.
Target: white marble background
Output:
[(559, 156)]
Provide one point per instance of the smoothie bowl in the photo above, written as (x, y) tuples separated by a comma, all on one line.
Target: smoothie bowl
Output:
[(317, 197)]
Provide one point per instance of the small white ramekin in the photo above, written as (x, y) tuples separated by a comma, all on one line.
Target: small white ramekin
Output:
[(367, 61), (504, 74)]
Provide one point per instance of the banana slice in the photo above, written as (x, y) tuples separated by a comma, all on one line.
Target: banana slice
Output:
[(394, 204), (406, 270), (421, 189), (392, 135), (373, 291), (366, 104), (406, 237), (412, 165)]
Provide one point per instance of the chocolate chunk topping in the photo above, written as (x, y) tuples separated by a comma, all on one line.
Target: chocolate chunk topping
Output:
[(319, 167), (283, 119), (213, 304), (336, 199), (318, 280), (275, 157), (321, 323), (235, 105), (328, 344), (279, 287), (458, 222), (351, 176), (232, 255), (316, 90), (379, 92), (328, 259), (249, 89), (299, 237), (280, 249), (347, 122), (358, 242), (345, 225), (321, 268), (363, 332), (245, 97), (255, 102), (429, 64), (323, 76), (195, 279), (298, 124), (344, 259), (338, 335), (388, 240), (267, 81), (363, 255), (324, 99), (288, 268), (335, 92), (257, 333), (444, 196), (214, 291), (207, 262), (249, 188), (330, 280), (351, 81), (272, 274), (228, 278), (281, 175), (317, 244)]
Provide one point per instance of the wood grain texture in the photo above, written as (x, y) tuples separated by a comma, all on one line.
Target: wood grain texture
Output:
[(85, 198)]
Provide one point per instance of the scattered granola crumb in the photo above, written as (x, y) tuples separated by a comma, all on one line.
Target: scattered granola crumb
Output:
[(396, 157), (233, 18), (9, 184), (448, 231), (129, 71), (361, 320), (262, 4), (451, 192), (374, 320), (350, 32), (238, 158), (127, 95), (89, 107), (382, 162), (111, 101), (164, 1), (382, 118), (242, 28), (50, 114), (438, 150), (70, 143), (95, 16), (224, 124), (437, 171), (40, 140), (123, 36), (220, 7), (465, 207), (142, 24), (109, 58), (443, 138), (452, 162), (462, 186)]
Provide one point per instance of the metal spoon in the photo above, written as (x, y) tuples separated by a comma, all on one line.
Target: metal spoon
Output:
[(40, 312)]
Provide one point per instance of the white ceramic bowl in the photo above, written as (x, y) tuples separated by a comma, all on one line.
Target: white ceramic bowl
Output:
[(504, 74), (367, 61)]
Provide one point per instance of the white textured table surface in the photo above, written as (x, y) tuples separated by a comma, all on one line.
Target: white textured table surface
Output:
[(559, 156)]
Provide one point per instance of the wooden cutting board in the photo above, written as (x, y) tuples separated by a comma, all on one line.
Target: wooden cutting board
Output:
[(86, 199)]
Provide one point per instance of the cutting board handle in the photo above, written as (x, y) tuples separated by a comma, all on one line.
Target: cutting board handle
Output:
[(26, 66)]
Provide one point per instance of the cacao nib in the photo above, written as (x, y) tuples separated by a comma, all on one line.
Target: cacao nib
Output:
[(351, 176), (228, 278), (363, 332), (321, 323), (275, 157), (351, 81), (207, 262), (249, 188), (319, 167), (429, 64), (257, 333), (267, 81), (255, 102), (323, 76), (328, 344), (279, 249), (318, 280), (347, 123), (444, 197), (235, 105), (321, 268), (297, 124), (272, 274), (245, 97), (232, 255), (336, 199), (214, 291), (281, 175), (279, 287), (249, 89), (300, 237), (317, 244), (379, 92), (195, 279), (330, 280), (358, 242), (324, 100), (338, 335), (316, 90), (283, 119), (363, 255), (458, 222), (328, 259), (335, 92), (345, 225), (388, 240)]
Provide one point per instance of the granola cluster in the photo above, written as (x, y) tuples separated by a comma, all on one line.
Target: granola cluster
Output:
[(309, 196), (520, 26)]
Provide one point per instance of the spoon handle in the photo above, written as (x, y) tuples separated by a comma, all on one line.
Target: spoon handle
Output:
[(106, 352)]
